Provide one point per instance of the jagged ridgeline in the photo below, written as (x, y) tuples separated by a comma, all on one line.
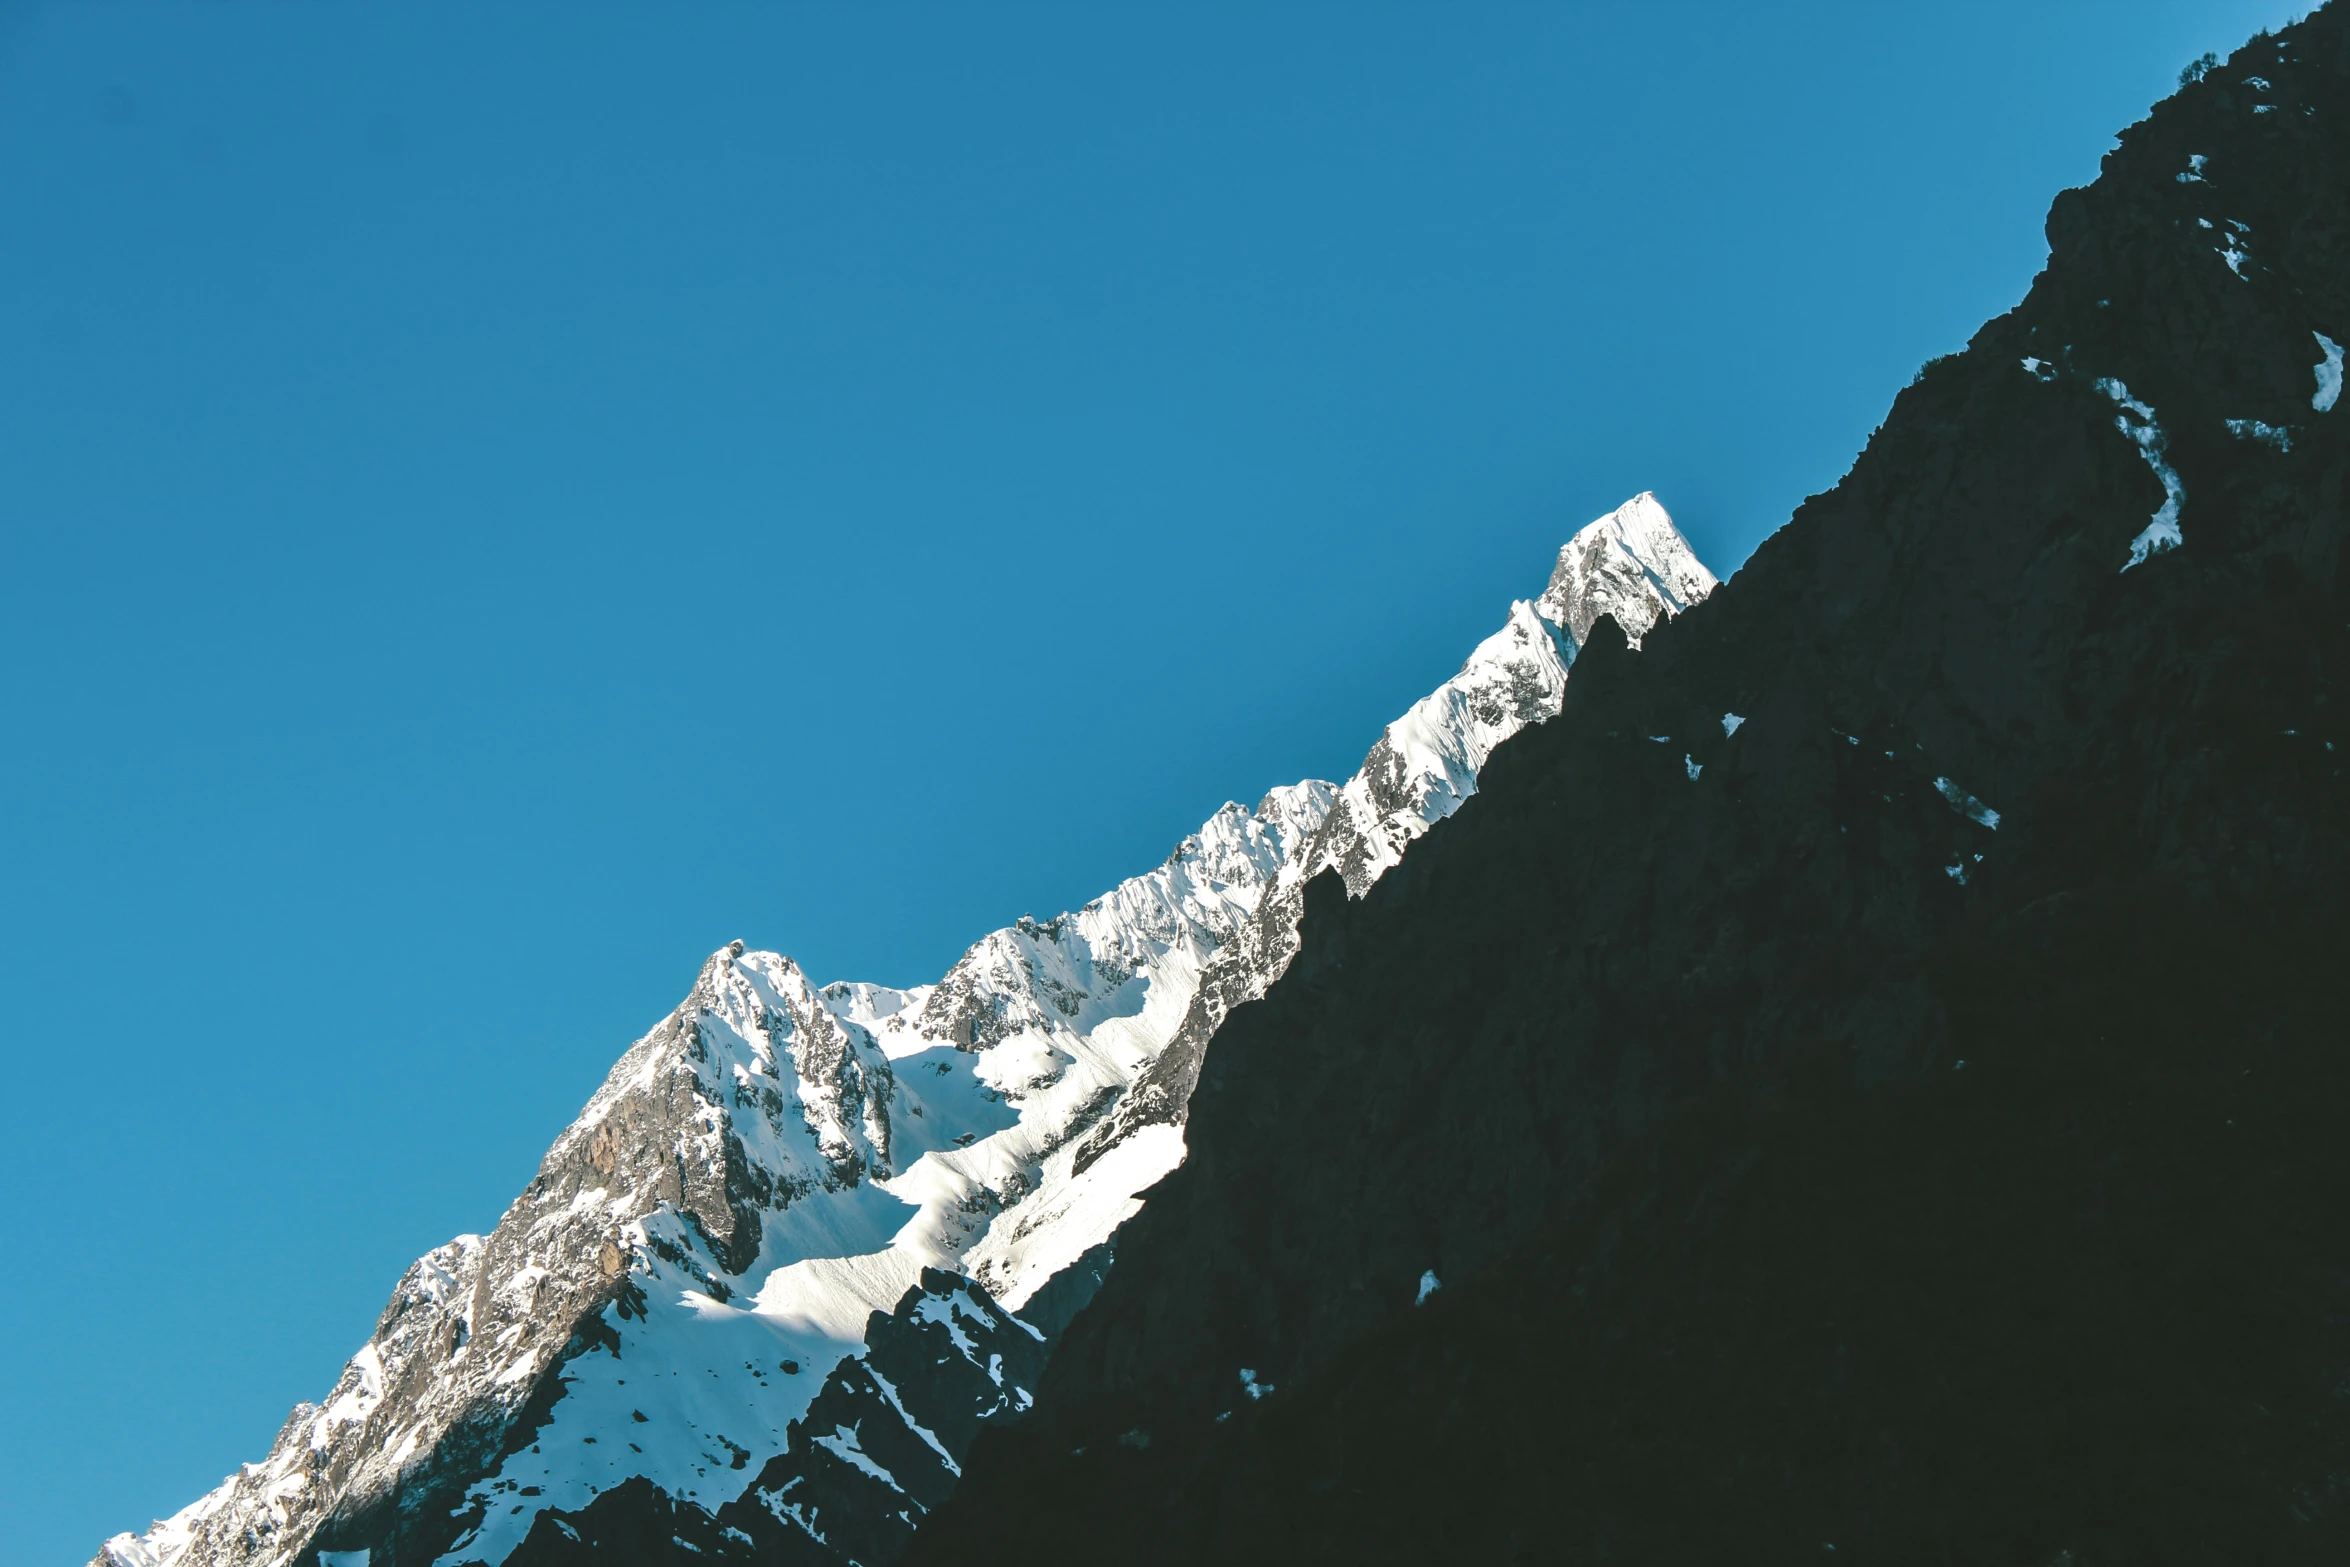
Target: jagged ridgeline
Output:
[(808, 1241), (1866, 1081)]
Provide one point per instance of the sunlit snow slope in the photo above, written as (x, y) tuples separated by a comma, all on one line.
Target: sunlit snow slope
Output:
[(759, 1187)]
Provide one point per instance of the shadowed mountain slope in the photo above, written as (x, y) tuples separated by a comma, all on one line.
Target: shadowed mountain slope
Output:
[(1864, 1082)]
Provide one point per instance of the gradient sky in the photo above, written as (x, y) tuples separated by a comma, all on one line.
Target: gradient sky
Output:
[(494, 506)]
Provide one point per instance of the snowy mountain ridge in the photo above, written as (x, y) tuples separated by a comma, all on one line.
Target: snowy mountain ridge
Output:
[(779, 1176)]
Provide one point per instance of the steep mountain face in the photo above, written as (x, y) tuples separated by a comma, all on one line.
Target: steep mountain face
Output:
[(1632, 566), (1865, 1080), (762, 1295)]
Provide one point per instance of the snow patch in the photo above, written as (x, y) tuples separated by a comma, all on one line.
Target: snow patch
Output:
[(842, 1444), (1071, 1213), (2136, 421), (1428, 1287), (2329, 374), (1966, 804), (889, 1391), (2276, 436), (2230, 248)]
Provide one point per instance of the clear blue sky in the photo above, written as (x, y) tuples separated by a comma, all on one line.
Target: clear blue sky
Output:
[(492, 507)]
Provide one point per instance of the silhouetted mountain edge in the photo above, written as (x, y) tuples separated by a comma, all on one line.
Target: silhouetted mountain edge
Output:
[(1863, 1082)]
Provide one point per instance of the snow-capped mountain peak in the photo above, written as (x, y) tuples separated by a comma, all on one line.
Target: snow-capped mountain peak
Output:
[(780, 1177), (1632, 564)]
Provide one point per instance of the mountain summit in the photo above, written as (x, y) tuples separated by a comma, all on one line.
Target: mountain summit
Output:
[(806, 1242)]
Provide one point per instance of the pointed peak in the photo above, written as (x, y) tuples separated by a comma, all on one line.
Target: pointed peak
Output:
[(714, 968), (1632, 565), (1309, 798), (728, 971)]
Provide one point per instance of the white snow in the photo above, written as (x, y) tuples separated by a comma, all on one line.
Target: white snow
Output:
[(1426, 763), (1070, 1213), (2194, 174), (789, 1512), (2039, 369), (1251, 1386), (1731, 721), (947, 1311), (842, 1444), (2136, 421), (1966, 804), (707, 1373), (2265, 434), (1693, 765), (1428, 1287), (356, 1396), (889, 1391), (2329, 374), (1632, 564), (356, 1558), (2230, 248)]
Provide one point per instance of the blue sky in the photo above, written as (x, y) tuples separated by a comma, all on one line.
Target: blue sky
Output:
[(494, 506)]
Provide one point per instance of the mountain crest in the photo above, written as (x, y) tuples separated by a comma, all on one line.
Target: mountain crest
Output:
[(1632, 565), (770, 1186)]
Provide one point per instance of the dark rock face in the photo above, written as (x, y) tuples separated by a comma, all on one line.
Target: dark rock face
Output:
[(632, 1524), (861, 1470), (1866, 1077)]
